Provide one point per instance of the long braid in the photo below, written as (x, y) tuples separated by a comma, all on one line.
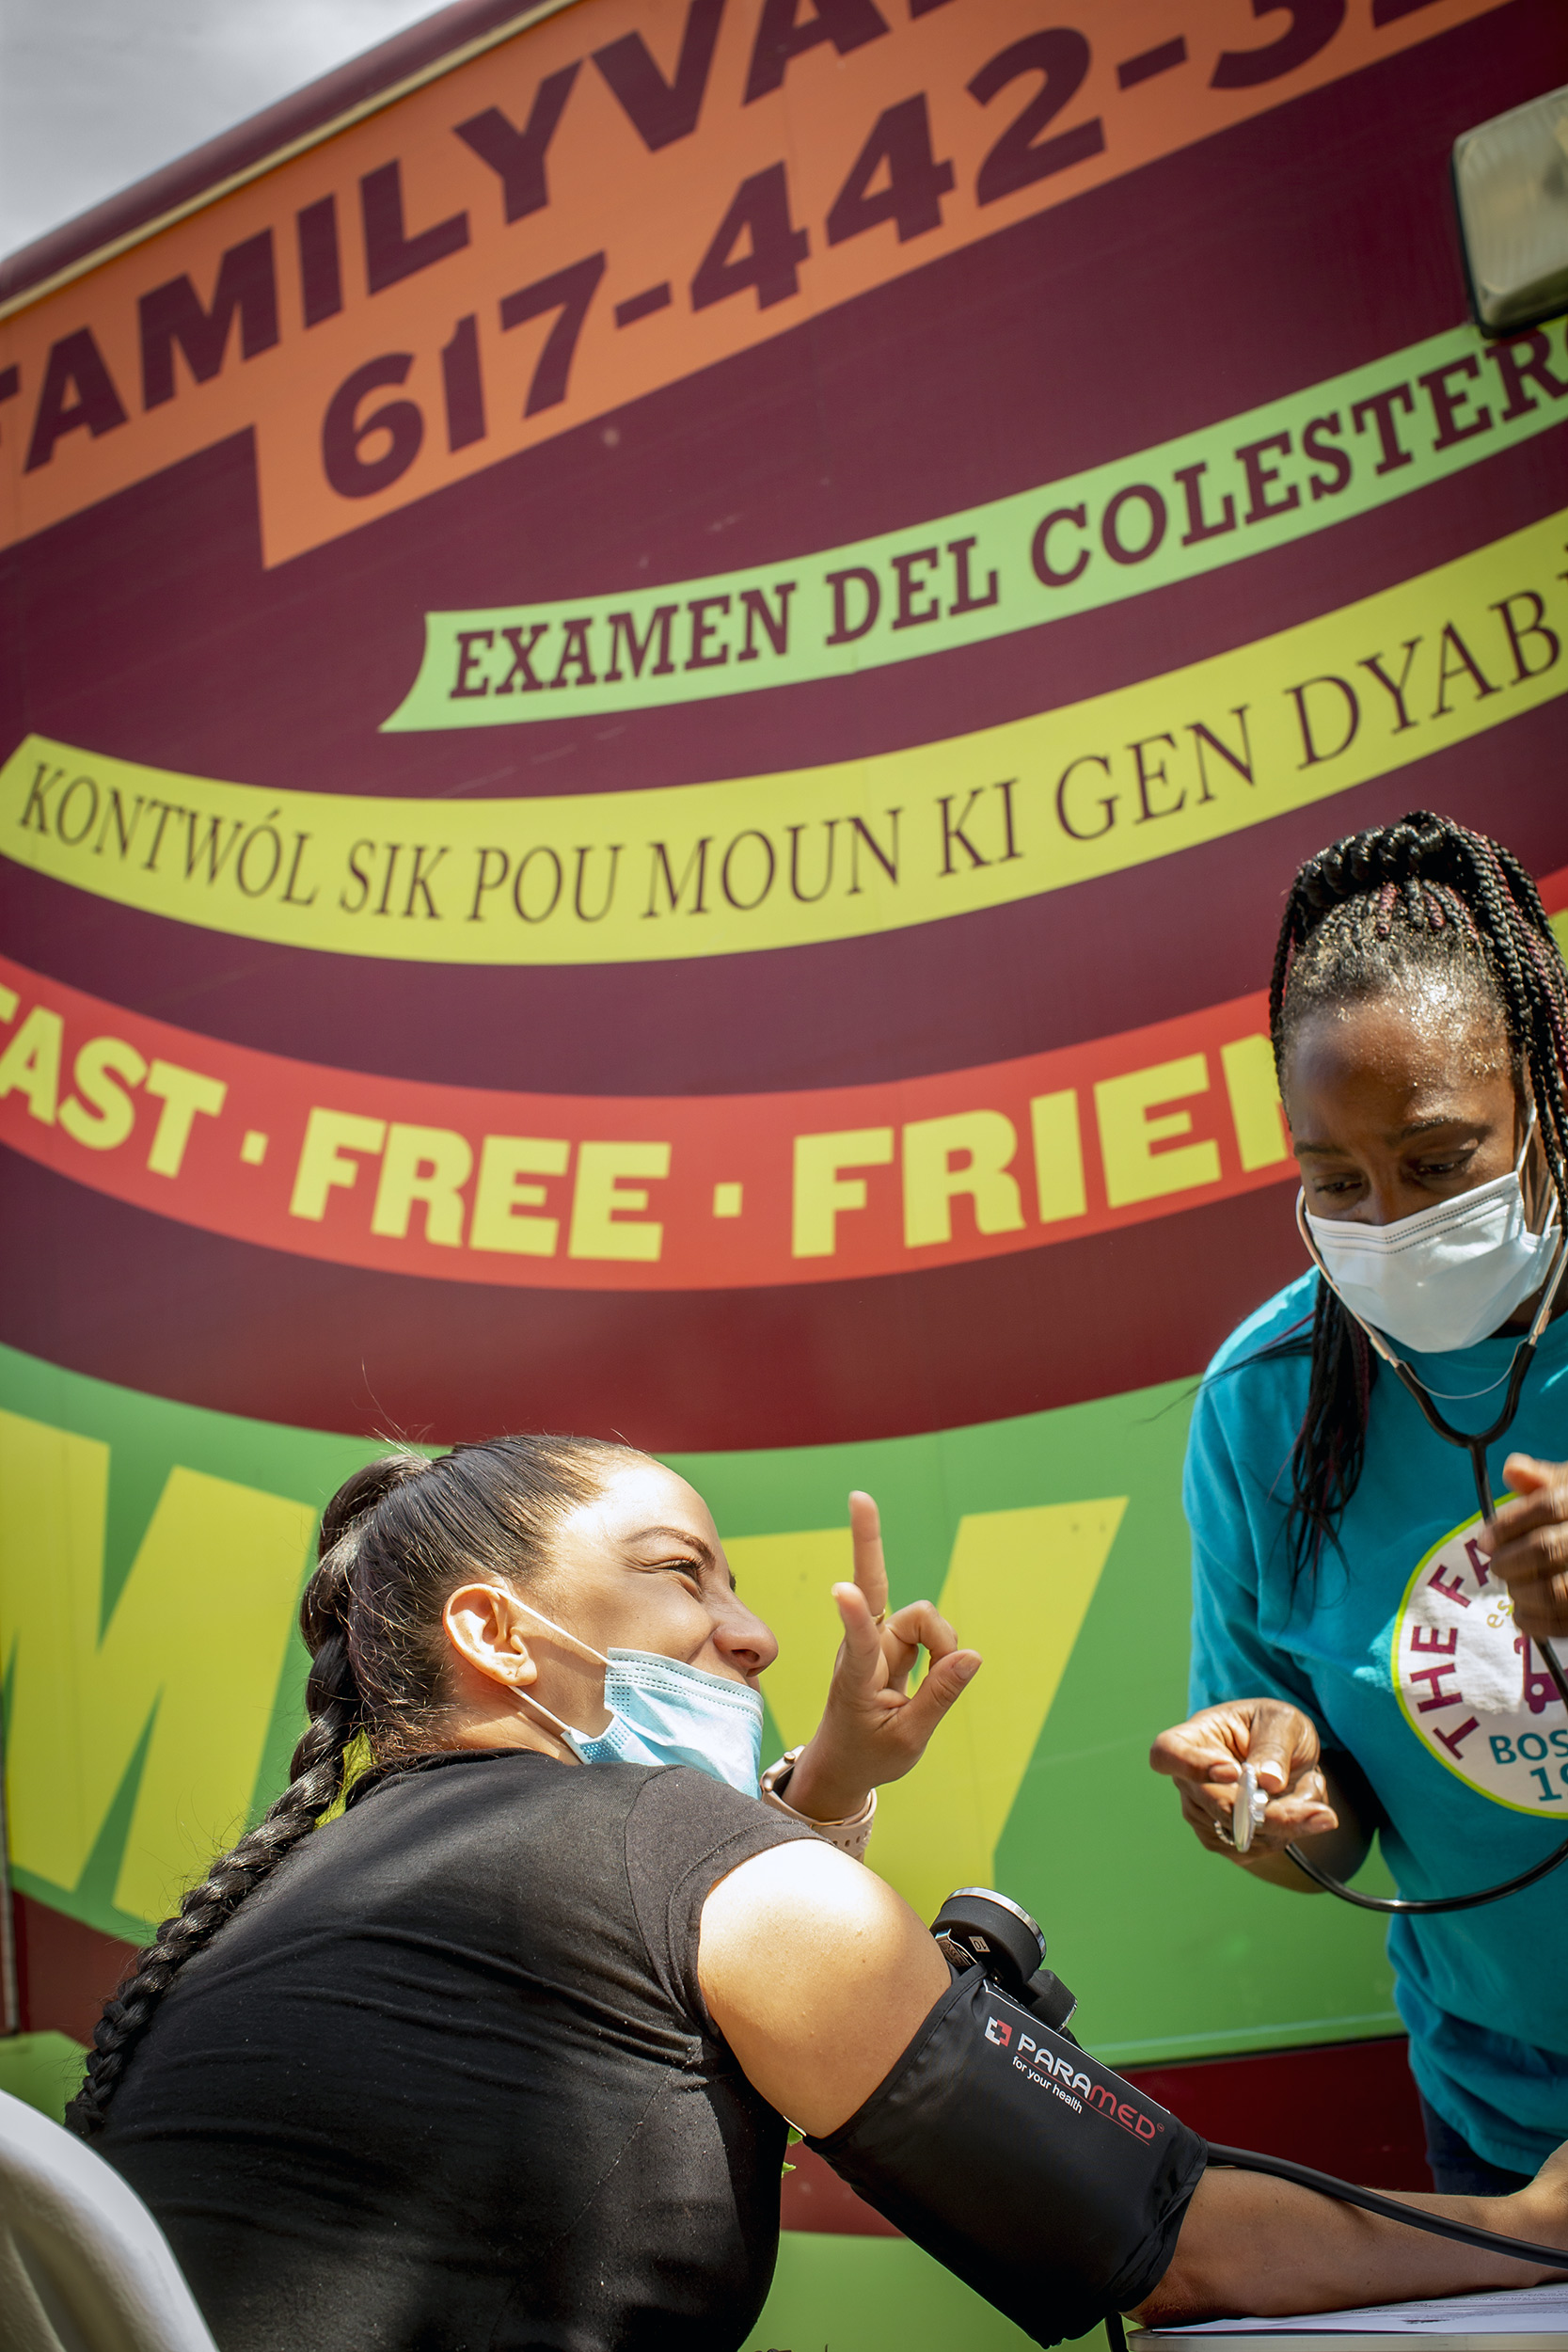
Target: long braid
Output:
[(396, 1540), (315, 1772), (1406, 905)]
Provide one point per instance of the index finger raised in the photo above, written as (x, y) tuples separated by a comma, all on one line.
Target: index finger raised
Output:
[(866, 1531)]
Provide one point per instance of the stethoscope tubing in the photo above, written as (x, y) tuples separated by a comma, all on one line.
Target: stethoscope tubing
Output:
[(1524, 1356)]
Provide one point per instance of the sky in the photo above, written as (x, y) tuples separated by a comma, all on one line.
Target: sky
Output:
[(97, 93)]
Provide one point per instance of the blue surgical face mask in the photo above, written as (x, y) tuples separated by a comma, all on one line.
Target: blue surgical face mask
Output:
[(664, 1712)]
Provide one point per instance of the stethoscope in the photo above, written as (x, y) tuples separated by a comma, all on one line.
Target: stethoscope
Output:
[(1524, 1356)]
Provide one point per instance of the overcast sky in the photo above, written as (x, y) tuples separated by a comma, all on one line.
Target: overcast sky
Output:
[(97, 93)]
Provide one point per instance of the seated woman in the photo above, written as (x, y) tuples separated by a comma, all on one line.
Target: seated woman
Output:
[(499, 2057)]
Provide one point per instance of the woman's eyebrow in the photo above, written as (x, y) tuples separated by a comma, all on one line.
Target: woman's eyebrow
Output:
[(681, 1535), (1429, 1126), (1303, 1144)]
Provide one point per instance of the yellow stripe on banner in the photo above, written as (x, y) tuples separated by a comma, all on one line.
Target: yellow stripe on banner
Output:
[(834, 852), (1039, 1566)]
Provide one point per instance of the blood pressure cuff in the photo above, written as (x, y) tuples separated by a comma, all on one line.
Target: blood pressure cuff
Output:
[(1042, 2179)]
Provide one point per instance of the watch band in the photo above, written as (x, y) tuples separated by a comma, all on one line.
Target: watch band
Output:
[(850, 1836)]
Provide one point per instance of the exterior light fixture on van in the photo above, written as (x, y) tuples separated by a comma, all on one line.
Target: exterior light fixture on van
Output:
[(1511, 184)]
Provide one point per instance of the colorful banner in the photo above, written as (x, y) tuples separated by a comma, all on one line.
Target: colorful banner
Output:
[(628, 1193), (1047, 1537), (1335, 450), (717, 1191), (662, 689), (301, 307), (836, 852)]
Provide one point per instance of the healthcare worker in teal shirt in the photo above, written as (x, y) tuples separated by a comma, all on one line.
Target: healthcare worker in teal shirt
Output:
[(1362, 1634)]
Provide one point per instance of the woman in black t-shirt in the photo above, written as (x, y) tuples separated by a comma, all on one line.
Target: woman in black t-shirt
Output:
[(440, 2072), (494, 2056)]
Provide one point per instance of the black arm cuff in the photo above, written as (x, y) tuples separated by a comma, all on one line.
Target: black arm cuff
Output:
[(1042, 2179)]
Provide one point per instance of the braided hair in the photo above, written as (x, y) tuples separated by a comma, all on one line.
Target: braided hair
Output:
[(1410, 907), (396, 1540)]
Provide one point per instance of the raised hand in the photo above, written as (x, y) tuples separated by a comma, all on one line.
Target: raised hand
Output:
[(874, 1729)]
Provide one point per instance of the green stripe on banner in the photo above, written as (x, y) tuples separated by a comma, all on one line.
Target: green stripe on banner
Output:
[(1259, 480), (1054, 1540)]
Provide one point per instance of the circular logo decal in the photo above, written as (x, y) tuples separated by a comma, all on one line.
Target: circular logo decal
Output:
[(1476, 1692)]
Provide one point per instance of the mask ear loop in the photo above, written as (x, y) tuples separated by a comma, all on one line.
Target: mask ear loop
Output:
[(527, 1698), (576, 1639), (1529, 1131), (1374, 1337), (1552, 1206)]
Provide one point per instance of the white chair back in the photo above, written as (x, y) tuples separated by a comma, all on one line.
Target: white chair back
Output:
[(84, 2268)]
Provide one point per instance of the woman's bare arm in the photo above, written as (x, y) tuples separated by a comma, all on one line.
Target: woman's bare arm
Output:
[(819, 1976), (1250, 2244)]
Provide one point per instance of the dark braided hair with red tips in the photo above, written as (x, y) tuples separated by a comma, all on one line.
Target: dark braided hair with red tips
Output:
[(397, 1540), (1414, 907)]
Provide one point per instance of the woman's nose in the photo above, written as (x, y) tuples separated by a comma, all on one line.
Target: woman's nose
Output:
[(743, 1641), (1384, 1203)]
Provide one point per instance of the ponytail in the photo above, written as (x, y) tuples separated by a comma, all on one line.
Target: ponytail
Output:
[(396, 1539)]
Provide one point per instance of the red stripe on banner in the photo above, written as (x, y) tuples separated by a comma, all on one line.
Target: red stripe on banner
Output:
[(812, 2196), (739, 1191), (657, 1192), (65, 1971), (112, 1292), (1349, 2107)]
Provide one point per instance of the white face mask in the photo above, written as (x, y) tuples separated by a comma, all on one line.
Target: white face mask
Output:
[(1446, 1276), (664, 1712)]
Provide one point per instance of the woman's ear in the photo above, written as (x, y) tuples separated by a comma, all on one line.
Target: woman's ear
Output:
[(484, 1625)]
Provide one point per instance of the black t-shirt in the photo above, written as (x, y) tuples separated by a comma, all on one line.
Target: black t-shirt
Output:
[(446, 2083)]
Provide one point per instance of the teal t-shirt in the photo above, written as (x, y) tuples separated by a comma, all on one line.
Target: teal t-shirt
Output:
[(1402, 1650)]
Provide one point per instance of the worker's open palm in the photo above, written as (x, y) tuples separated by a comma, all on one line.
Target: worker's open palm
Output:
[(1204, 1756), (874, 1729)]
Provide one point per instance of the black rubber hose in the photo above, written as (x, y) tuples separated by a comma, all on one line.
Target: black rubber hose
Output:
[(1426, 1905), (1403, 1905), (1371, 2200)]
